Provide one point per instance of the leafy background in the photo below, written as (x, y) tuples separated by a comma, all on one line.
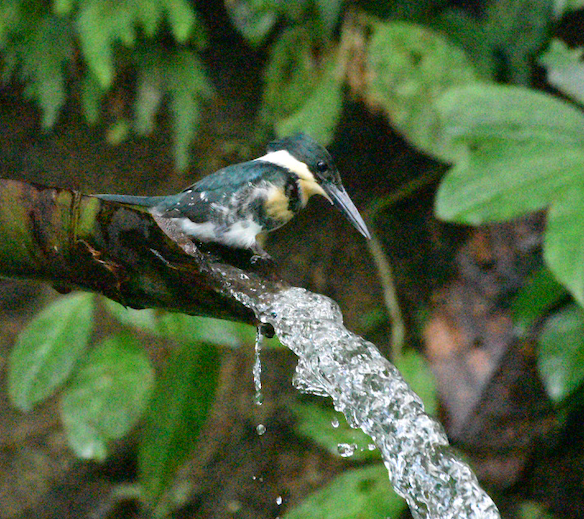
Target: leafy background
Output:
[(438, 113)]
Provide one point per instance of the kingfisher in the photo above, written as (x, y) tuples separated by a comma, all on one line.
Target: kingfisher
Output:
[(233, 205)]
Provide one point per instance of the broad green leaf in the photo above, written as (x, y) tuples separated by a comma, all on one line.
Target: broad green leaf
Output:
[(475, 113), (565, 69), (416, 372), (144, 320), (48, 349), (185, 328), (409, 67), (564, 240), (511, 54), (206, 330), (363, 493), (506, 179), (329, 429), (177, 412), (539, 295), (466, 31), (321, 112), (290, 75), (561, 352), (107, 396)]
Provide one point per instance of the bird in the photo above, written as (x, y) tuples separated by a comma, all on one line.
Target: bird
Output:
[(234, 205)]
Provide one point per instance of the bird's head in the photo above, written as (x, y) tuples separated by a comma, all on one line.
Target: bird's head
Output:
[(316, 174)]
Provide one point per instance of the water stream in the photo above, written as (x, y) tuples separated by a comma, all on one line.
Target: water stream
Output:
[(372, 394)]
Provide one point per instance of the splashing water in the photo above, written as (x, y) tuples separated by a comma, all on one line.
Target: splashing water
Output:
[(371, 393), (257, 368)]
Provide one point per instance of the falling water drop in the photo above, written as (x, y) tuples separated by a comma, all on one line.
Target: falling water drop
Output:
[(346, 450), (257, 368)]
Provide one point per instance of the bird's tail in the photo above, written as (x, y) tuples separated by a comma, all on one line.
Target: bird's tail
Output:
[(143, 201)]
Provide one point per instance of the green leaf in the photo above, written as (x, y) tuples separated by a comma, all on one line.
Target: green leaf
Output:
[(416, 372), (48, 349), (178, 410), (184, 328), (290, 75), (329, 13), (10, 21), (564, 240), (321, 112), (107, 396), (475, 113), (205, 330), (91, 96), (565, 69), (540, 294), (363, 493), (504, 21), (63, 7), (561, 353), (466, 31), (100, 26), (503, 180), (181, 76), (184, 22), (103, 24), (409, 67), (316, 423), (533, 510)]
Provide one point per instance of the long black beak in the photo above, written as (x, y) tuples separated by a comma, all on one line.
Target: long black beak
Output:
[(341, 200)]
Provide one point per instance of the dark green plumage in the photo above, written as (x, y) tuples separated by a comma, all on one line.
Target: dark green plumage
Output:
[(236, 203)]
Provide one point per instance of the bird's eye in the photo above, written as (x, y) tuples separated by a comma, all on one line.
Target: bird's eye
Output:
[(321, 166)]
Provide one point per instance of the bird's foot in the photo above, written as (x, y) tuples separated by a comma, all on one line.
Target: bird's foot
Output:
[(260, 256)]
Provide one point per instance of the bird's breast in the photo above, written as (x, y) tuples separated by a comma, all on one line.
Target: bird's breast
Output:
[(239, 233), (277, 205)]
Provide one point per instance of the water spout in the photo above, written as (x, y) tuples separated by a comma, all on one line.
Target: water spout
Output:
[(372, 394)]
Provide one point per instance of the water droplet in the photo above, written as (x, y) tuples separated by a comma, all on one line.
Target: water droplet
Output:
[(279, 500), (335, 422), (257, 368), (261, 429), (346, 450), (372, 446)]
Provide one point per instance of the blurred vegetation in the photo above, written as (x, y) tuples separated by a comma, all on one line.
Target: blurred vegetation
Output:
[(456, 84)]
